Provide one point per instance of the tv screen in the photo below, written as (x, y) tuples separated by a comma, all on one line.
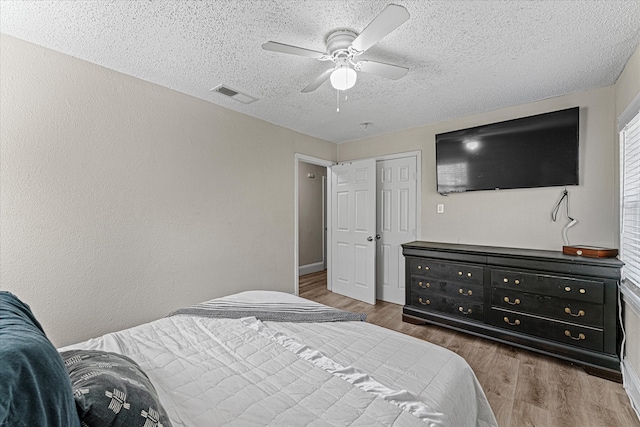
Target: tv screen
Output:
[(535, 151)]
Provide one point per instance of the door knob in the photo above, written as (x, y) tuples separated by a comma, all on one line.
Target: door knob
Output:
[(378, 237), (370, 239)]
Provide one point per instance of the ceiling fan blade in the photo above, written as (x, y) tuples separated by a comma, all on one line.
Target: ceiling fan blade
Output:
[(292, 50), (388, 20), (393, 72), (318, 81)]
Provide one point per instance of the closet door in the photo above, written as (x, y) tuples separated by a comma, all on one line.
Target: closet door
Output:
[(396, 224), (353, 230)]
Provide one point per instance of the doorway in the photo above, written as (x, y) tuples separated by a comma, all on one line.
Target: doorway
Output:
[(311, 218), (388, 275), (301, 163), (375, 208)]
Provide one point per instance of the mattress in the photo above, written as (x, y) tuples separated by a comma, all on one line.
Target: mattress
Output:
[(218, 371)]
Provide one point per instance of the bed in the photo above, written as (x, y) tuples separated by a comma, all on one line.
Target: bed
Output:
[(269, 358)]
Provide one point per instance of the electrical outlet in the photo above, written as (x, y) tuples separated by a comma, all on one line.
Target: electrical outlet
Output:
[(440, 208)]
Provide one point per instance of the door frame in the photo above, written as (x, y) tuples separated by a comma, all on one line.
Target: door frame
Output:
[(328, 163), (418, 155), (296, 245)]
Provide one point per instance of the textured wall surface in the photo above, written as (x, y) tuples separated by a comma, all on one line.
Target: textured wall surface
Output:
[(628, 84), (123, 200)]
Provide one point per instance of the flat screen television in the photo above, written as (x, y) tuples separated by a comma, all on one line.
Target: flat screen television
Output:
[(535, 151)]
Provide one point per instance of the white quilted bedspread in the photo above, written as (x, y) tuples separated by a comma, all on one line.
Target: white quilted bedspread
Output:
[(229, 372)]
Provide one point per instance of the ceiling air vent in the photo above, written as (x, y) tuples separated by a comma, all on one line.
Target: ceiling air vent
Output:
[(234, 94)]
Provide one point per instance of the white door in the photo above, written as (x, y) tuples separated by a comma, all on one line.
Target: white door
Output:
[(396, 207), (353, 226)]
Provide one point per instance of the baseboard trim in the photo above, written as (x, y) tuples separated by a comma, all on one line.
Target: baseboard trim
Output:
[(310, 268), (631, 384)]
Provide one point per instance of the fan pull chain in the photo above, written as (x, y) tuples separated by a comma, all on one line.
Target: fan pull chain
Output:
[(346, 82), (346, 97)]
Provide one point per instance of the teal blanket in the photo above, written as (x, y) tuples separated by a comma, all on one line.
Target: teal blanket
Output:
[(35, 389)]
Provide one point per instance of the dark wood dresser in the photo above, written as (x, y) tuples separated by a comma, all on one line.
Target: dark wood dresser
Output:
[(559, 305)]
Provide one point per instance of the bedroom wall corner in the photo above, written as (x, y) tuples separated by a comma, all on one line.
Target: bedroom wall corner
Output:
[(122, 200)]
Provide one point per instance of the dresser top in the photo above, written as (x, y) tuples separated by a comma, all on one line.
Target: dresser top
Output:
[(517, 253)]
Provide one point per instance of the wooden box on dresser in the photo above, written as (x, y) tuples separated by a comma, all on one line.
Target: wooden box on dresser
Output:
[(559, 305)]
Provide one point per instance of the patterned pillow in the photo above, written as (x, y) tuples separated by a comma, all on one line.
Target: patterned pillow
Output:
[(112, 390)]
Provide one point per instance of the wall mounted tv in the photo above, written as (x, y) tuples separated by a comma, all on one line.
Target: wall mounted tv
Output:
[(535, 151)]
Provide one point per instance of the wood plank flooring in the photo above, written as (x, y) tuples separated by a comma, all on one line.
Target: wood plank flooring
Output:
[(523, 388)]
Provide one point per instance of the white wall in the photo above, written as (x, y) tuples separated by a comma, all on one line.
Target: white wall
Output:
[(521, 217), (122, 200)]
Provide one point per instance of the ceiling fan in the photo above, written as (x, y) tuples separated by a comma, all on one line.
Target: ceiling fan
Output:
[(343, 46)]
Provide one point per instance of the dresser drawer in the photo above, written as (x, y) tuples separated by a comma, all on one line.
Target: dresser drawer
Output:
[(567, 310), (463, 273), (566, 333), (452, 305), (542, 284), (444, 287)]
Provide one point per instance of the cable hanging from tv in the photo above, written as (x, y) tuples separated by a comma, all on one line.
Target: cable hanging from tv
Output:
[(554, 215)]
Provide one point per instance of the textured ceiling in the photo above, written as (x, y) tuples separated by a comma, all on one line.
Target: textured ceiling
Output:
[(464, 57)]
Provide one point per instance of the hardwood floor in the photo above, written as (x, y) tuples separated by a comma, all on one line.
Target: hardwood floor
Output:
[(523, 388)]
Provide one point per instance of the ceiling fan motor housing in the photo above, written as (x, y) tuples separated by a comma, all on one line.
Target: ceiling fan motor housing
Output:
[(338, 42)]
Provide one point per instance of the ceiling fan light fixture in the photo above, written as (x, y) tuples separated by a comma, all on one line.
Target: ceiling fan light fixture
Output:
[(343, 77)]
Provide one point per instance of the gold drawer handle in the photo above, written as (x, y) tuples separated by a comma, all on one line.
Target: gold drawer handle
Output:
[(515, 322), (567, 288), (515, 302), (582, 291), (515, 282), (461, 310), (468, 293), (469, 274), (578, 338), (426, 302), (505, 280), (459, 273), (423, 285), (425, 267), (578, 314)]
